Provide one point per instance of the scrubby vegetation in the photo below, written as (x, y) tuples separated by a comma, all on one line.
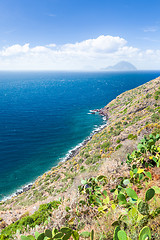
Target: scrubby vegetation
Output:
[(109, 190), (135, 207), (39, 217)]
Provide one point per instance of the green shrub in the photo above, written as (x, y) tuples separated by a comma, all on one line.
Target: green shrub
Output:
[(81, 160), (125, 110), (156, 97), (38, 217), (116, 133), (157, 93), (149, 109), (67, 208), (56, 177), (81, 153), (82, 169), (148, 95), (87, 155), (119, 146), (106, 149), (89, 161), (118, 123), (155, 117), (132, 137), (97, 155), (105, 145)]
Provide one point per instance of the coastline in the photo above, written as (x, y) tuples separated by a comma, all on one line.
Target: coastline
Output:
[(24, 187), (70, 154), (93, 160)]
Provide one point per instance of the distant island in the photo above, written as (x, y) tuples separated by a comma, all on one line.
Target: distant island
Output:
[(121, 66)]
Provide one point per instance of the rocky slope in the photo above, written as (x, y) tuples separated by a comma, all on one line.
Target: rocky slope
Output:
[(131, 115)]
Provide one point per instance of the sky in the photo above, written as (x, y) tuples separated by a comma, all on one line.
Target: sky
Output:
[(79, 34)]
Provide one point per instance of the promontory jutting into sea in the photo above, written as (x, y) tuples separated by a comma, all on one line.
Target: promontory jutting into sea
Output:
[(43, 115)]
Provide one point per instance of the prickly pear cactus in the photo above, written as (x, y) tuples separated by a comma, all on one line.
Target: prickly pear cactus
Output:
[(48, 233), (115, 236), (143, 208), (92, 235), (122, 235), (149, 194), (27, 238), (145, 234)]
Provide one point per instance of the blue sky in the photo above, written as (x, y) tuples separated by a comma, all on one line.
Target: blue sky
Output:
[(40, 23)]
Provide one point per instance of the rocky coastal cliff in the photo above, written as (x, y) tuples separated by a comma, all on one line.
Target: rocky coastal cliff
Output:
[(131, 116)]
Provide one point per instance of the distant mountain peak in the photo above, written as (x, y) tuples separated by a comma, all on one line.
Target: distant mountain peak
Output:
[(121, 66)]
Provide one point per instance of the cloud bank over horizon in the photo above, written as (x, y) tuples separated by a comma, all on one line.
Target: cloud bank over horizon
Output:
[(90, 54)]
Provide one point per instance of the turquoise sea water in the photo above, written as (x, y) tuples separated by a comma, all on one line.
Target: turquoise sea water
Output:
[(45, 114)]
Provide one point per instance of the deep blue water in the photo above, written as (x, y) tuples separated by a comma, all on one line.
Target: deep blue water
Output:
[(45, 114)]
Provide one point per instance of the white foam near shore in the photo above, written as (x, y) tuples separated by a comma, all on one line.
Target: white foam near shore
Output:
[(75, 149), (18, 191), (68, 156)]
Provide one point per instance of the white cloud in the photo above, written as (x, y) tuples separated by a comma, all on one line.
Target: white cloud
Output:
[(96, 53), (15, 50), (39, 49), (105, 44), (127, 51), (149, 52)]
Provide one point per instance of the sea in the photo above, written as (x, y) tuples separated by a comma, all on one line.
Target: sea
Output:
[(44, 115)]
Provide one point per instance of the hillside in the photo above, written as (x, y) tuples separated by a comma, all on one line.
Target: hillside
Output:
[(121, 66), (100, 188)]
